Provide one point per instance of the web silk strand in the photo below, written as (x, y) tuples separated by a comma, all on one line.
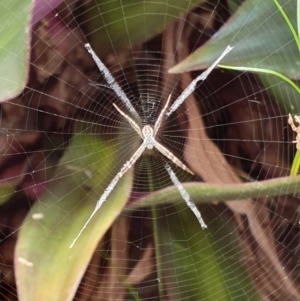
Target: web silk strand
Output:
[(148, 136)]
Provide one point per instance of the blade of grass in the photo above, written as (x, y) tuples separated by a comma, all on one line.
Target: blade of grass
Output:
[(295, 164), (298, 17), (288, 22), (265, 71)]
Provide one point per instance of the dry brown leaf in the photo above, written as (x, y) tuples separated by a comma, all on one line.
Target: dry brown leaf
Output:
[(143, 268), (212, 167), (117, 275)]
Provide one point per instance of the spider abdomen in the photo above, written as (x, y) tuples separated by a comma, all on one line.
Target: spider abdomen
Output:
[(148, 133)]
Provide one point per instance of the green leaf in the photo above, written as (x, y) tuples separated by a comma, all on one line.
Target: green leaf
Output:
[(14, 174), (8, 188), (201, 264), (115, 25), (296, 164), (14, 46), (46, 268), (284, 93), (261, 39), (289, 23), (233, 5)]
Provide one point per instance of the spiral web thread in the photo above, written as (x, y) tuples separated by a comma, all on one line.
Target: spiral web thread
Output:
[(153, 252)]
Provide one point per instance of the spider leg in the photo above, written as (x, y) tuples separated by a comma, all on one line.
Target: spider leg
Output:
[(297, 119), (131, 122), (191, 87), (111, 81), (161, 115), (185, 195), (295, 129), (111, 186), (291, 123), (171, 156)]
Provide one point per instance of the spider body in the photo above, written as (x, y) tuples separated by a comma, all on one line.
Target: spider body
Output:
[(149, 142), (148, 136), (295, 128)]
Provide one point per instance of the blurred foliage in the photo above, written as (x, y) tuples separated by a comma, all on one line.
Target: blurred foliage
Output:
[(112, 26), (70, 198), (44, 261), (14, 46), (204, 274)]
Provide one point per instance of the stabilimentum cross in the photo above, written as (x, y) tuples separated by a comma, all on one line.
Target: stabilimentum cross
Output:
[(147, 133)]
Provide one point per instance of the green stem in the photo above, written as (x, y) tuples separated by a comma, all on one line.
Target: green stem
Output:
[(296, 164), (156, 239), (288, 22), (298, 18), (133, 292), (203, 193), (157, 251), (262, 70)]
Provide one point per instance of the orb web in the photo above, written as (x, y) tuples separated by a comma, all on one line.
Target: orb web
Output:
[(63, 141)]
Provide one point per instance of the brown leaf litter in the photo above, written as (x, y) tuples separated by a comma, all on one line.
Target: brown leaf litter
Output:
[(251, 125)]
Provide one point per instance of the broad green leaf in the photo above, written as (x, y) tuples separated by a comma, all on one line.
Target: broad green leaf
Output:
[(285, 91), (46, 268), (233, 5), (201, 264), (291, 25), (260, 36), (14, 46), (115, 25), (286, 95), (203, 193), (8, 188), (6, 191)]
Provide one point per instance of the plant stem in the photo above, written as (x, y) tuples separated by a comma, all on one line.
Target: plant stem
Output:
[(156, 240)]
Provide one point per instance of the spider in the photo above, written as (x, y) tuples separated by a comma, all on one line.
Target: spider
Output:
[(295, 128), (147, 133)]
